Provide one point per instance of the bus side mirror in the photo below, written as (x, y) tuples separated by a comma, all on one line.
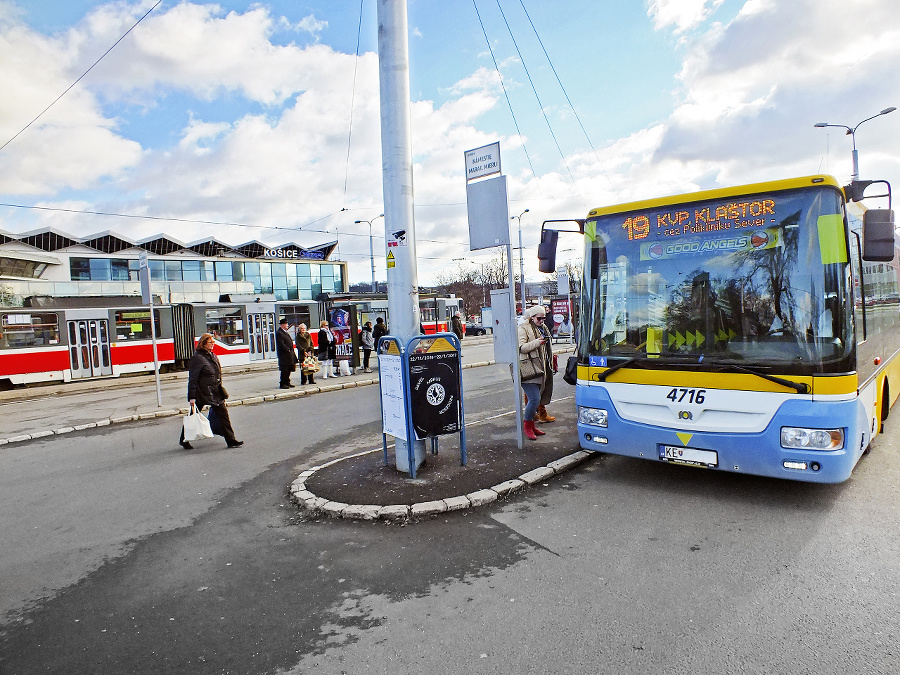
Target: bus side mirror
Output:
[(547, 251), (878, 235)]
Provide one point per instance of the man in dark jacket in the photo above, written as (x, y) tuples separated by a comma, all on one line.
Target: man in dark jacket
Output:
[(379, 330), (457, 326), (284, 349), (205, 389)]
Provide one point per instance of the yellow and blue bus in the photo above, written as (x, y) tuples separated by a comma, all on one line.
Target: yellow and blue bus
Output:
[(752, 329)]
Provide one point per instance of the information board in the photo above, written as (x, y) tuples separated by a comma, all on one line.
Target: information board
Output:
[(393, 407)]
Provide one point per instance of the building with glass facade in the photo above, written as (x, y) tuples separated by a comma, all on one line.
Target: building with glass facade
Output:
[(50, 263)]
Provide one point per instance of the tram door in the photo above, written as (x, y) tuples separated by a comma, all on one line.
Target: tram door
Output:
[(89, 346), (262, 335)]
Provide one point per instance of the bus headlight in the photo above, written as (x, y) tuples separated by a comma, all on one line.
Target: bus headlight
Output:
[(812, 439), (593, 416)]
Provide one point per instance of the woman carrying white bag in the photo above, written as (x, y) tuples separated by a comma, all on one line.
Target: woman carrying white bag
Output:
[(205, 389), (195, 427)]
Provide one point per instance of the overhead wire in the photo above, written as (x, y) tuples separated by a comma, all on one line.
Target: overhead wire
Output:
[(540, 104), (569, 100), (352, 100), (505, 93), (56, 100)]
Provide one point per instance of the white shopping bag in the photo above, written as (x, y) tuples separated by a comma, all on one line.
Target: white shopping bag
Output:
[(344, 366), (196, 426)]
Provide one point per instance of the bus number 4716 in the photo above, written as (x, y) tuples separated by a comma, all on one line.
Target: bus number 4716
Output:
[(681, 395)]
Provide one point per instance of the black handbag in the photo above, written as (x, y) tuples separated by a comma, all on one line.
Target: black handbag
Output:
[(571, 374), (215, 424)]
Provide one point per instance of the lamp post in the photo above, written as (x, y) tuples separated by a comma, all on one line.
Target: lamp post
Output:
[(371, 245), (851, 131), (521, 256)]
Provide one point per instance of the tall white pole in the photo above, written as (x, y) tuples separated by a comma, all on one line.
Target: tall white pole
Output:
[(397, 178), (397, 175)]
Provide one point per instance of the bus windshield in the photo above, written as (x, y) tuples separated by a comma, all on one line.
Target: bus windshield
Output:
[(758, 280)]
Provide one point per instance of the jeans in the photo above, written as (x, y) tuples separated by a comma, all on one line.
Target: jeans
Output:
[(533, 391)]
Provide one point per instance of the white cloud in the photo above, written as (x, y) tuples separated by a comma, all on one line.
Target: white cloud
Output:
[(753, 89), (310, 24), (681, 14)]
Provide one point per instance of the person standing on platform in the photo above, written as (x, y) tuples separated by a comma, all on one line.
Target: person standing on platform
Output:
[(379, 331), (457, 326), (205, 389), (367, 338), (532, 366), (284, 349), (305, 348), (541, 415), (327, 350)]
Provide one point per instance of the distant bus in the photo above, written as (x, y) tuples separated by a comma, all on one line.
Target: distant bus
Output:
[(752, 329)]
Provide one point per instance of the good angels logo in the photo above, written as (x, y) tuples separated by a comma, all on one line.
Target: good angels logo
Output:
[(752, 241)]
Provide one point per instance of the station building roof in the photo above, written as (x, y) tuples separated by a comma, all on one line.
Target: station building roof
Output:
[(50, 240)]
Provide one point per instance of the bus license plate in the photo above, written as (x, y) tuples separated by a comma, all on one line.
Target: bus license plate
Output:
[(688, 456)]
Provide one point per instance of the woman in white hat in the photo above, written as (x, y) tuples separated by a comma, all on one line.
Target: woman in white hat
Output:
[(533, 348)]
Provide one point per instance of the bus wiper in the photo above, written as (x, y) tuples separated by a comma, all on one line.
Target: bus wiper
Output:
[(645, 360), (799, 387), (601, 377)]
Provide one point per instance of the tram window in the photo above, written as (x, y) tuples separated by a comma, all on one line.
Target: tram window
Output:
[(226, 324), (19, 330), (134, 324)]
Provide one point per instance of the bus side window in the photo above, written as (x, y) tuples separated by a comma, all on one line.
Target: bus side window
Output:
[(859, 308)]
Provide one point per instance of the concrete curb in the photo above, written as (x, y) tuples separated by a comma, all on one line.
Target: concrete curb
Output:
[(307, 500)]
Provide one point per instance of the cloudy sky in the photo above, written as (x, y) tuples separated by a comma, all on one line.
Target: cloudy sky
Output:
[(256, 120)]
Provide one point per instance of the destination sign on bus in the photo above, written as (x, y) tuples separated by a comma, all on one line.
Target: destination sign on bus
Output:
[(730, 216)]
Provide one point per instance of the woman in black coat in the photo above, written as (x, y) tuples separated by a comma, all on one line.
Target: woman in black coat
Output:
[(327, 350), (205, 389)]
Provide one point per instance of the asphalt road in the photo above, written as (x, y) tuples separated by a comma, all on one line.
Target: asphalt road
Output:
[(123, 554)]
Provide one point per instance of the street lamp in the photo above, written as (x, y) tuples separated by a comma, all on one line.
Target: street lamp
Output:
[(851, 131), (371, 245), (521, 256)]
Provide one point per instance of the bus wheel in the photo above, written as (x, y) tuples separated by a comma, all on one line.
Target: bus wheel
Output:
[(885, 405)]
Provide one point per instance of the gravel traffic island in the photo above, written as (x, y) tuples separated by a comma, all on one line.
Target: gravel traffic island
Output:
[(363, 487)]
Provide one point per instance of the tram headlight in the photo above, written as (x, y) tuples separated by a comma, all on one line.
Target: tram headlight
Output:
[(797, 438), (593, 416)]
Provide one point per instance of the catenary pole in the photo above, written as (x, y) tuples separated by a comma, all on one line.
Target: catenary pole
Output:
[(397, 178)]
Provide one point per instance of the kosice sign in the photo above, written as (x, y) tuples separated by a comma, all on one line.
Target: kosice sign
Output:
[(483, 161)]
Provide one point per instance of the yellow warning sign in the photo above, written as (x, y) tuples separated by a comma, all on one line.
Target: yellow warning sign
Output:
[(441, 345), (390, 259)]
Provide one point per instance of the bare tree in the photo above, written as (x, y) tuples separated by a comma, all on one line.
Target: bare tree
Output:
[(473, 282)]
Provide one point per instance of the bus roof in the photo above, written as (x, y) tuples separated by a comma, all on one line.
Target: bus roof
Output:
[(719, 193)]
